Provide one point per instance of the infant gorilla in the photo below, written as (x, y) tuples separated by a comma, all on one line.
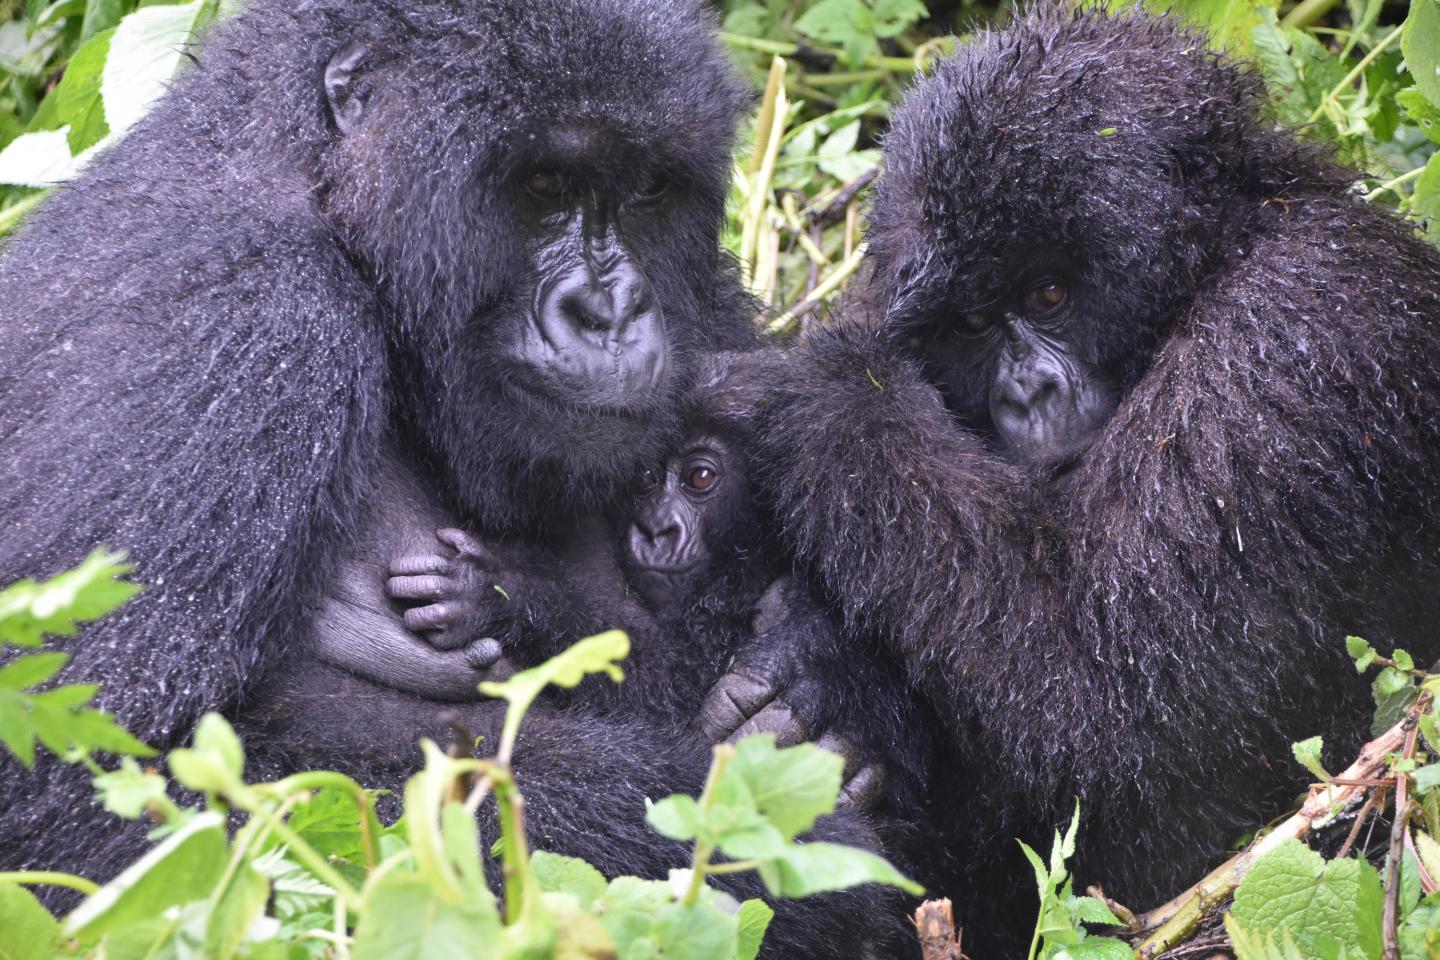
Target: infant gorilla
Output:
[(689, 568)]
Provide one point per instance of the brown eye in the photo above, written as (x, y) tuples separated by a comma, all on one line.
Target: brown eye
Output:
[(977, 322), (701, 479), (546, 184), (1045, 297)]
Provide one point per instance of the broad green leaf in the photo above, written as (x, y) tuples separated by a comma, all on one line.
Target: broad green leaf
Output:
[(1293, 889), (29, 610), (1361, 652), (183, 867), (806, 868), (1420, 43), (1307, 754), (791, 787), (1425, 202), (1394, 692), (406, 919), (78, 104), (557, 874), (755, 917), (1097, 948), (1426, 778), (894, 17), (330, 823), (30, 932), (146, 50), (100, 16)]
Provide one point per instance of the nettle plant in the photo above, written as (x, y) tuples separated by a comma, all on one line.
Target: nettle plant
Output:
[(302, 867)]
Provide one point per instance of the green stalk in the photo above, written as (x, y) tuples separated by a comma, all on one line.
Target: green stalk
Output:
[(1354, 74), (50, 878), (516, 852), (700, 862)]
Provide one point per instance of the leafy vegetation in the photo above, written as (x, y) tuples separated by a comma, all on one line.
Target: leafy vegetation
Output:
[(312, 873)]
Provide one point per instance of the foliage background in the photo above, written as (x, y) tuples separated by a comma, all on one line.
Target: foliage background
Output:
[(75, 73)]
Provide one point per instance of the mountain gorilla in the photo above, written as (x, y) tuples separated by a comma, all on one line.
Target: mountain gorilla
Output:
[(364, 260), (689, 566), (1143, 428)]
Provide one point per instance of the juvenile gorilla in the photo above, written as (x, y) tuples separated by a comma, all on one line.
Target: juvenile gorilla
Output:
[(366, 269), (689, 566), (1143, 427)]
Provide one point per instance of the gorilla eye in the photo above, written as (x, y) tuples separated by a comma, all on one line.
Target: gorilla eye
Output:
[(1045, 297), (649, 480), (701, 479), (546, 184), (653, 189), (978, 322)]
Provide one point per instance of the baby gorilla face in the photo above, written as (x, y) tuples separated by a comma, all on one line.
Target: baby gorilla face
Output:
[(683, 519)]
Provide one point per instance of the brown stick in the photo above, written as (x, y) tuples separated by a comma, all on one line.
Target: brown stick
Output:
[(835, 209), (935, 926)]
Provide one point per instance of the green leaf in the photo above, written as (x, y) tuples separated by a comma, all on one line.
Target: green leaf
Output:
[(754, 920), (1425, 199), (1307, 754), (28, 671), (1097, 948), (894, 17), (791, 787), (1426, 778), (1293, 889), (146, 50), (30, 932), (1420, 43), (242, 902), (677, 817), (407, 919), (557, 874), (129, 791), (100, 16), (28, 610), (1092, 910), (644, 920), (806, 868), (185, 866), (215, 761), (329, 822), (1394, 692), (78, 105), (597, 654)]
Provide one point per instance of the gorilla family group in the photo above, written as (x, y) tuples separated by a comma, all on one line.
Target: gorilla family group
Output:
[(388, 304)]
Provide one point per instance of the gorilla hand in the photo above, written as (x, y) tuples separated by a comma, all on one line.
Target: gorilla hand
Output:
[(777, 685), (456, 596)]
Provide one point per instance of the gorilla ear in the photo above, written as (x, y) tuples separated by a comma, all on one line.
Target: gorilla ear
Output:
[(347, 105)]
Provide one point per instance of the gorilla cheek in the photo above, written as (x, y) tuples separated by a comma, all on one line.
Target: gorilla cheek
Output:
[(596, 335), (1046, 405)]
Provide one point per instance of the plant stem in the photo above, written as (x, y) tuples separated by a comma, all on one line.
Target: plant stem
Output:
[(700, 862), (1390, 185), (515, 854), (736, 866), (1307, 12), (828, 286), (1355, 73), (50, 878)]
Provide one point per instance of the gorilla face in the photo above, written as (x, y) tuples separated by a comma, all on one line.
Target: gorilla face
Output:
[(539, 199), (1018, 366)]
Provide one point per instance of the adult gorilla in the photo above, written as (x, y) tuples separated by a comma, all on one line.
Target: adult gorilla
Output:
[(1145, 428), (453, 253)]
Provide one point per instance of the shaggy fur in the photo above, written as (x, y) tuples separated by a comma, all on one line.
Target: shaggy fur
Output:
[(1150, 630)]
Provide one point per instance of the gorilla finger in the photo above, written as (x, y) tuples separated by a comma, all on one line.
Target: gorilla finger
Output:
[(434, 617), (845, 748), (467, 547), (734, 699), (483, 653), (777, 718), (865, 790), (421, 564), (426, 587)]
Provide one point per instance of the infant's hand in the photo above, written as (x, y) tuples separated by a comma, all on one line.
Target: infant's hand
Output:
[(454, 595)]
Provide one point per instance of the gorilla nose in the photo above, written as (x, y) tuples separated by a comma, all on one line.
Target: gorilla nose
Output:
[(607, 306), (657, 529)]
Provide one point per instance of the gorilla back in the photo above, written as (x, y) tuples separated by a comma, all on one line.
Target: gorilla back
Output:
[(469, 237)]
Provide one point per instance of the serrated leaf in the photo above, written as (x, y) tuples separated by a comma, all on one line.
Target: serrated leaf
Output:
[(677, 817), (791, 787), (1097, 948), (330, 823), (1307, 753), (77, 98), (1293, 889)]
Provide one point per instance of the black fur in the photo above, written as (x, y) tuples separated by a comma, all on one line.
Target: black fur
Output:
[(1150, 629)]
